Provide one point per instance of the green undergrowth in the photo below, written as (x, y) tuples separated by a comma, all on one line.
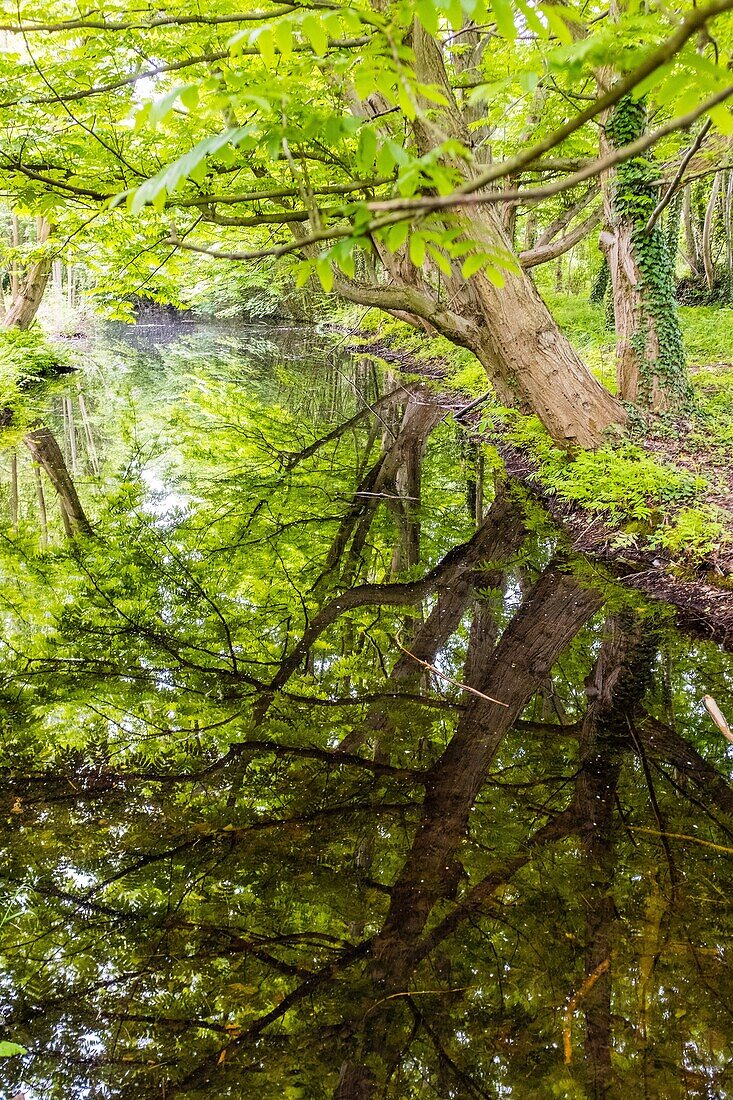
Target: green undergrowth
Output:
[(707, 332), (25, 358), (650, 503)]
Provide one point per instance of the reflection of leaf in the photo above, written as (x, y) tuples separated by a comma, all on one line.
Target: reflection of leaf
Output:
[(9, 1050)]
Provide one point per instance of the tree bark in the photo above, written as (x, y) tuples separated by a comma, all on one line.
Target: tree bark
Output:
[(614, 689), (650, 358), (554, 611), (25, 302), (47, 453), (707, 234)]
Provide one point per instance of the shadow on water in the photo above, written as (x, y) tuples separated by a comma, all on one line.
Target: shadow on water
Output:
[(327, 769)]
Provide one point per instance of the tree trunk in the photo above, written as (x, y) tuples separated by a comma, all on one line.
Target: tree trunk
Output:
[(650, 357), (24, 305), (530, 362), (614, 689), (554, 611), (707, 234), (693, 253)]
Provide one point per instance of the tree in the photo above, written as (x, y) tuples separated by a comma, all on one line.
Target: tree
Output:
[(351, 136)]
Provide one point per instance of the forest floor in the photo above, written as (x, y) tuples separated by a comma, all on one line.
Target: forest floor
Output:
[(655, 507)]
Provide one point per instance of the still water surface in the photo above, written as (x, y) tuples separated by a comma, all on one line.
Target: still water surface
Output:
[(327, 770)]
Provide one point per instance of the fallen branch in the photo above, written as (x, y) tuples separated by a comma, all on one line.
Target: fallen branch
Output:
[(718, 717)]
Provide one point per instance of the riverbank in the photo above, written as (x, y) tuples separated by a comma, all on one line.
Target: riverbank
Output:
[(654, 506)]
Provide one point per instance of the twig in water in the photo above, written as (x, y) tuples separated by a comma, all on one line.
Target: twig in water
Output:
[(718, 717), (450, 680)]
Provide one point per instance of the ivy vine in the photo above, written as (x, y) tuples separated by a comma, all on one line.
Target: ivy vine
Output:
[(635, 198)]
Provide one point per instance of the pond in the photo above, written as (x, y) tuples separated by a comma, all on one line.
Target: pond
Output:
[(328, 769)]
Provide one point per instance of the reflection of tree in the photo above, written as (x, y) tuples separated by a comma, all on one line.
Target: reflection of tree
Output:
[(254, 847), (42, 445)]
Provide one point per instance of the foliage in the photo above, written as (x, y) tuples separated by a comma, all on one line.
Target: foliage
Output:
[(194, 875), (694, 534), (26, 358), (621, 481)]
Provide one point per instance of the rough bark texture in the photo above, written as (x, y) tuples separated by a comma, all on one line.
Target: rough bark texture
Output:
[(25, 302), (614, 690), (47, 453), (650, 360), (499, 537)]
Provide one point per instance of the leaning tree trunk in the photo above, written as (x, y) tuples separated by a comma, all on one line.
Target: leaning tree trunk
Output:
[(30, 289), (528, 359), (650, 356), (45, 450)]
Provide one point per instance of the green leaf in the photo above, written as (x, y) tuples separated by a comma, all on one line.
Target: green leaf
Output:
[(427, 13), (473, 263), (283, 35), (367, 149), (441, 260), (417, 249), (504, 16), (183, 168), (397, 235), (9, 1050), (723, 119), (190, 96), (315, 32), (495, 276), (303, 272), (324, 272), (264, 40), (557, 24)]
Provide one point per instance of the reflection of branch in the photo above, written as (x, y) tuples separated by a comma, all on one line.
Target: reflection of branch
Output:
[(460, 1075), (449, 679), (590, 981), (682, 836)]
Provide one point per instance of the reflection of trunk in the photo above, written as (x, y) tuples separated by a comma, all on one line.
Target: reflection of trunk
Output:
[(499, 537), (41, 505), (405, 505), (552, 614), (614, 689), (47, 453), (24, 306), (662, 742), (14, 490), (401, 450), (650, 358)]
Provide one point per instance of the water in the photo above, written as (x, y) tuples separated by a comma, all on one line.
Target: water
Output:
[(327, 769)]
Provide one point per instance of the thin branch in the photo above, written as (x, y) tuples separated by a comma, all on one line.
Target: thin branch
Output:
[(449, 679), (394, 210), (669, 193), (590, 981)]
